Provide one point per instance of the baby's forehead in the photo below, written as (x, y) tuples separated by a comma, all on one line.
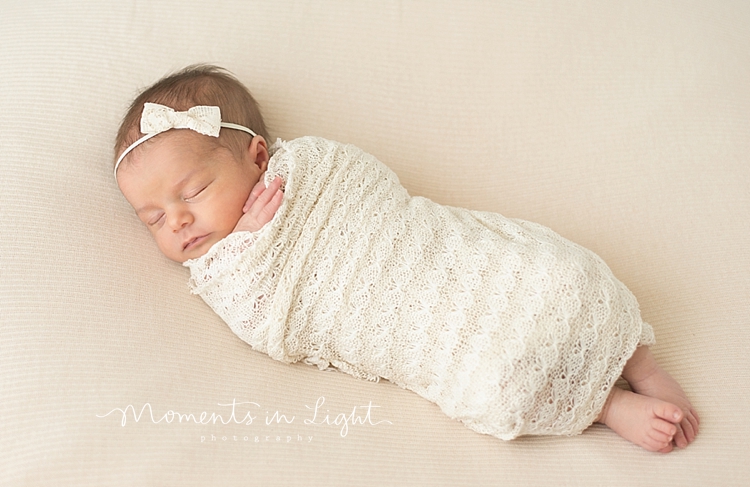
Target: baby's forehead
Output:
[(183, 139), (184, 144), (169, 158)]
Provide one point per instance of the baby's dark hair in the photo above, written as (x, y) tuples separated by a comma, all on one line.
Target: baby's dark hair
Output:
[(199, 84)]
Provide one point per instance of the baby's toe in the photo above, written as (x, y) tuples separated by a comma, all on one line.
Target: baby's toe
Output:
[(663, 427), (668, 412), (660, 444), (687, 429), (692, 416), (662, 438), (667, 448), (694, 413), (679, 438)]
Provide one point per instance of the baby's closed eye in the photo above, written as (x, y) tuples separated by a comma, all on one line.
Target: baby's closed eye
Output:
[(192, 194), (155, 220)]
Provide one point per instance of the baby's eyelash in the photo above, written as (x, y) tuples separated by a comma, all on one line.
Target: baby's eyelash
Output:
[(186, 198), (151, 223)]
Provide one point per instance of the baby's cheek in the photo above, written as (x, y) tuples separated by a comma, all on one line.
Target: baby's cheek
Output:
[(234, 212), (169, 250), (232, 219)]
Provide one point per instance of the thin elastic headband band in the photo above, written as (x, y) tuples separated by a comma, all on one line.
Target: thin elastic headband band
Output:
[(156, 119)]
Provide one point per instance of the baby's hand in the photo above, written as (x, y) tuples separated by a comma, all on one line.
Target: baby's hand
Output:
[(260, 206)]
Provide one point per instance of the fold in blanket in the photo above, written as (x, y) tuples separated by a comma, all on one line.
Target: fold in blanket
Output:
[(504, 324)]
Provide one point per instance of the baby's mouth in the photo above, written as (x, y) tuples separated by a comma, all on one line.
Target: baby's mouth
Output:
[(193, 242)]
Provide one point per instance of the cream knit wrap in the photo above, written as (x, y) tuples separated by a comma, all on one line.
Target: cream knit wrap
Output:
[(504, 324)]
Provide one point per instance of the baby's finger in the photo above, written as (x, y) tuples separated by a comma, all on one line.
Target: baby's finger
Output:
[(267, 212), (275, 203), (265, 197), (263, 212), (256, 191), (275, 184)]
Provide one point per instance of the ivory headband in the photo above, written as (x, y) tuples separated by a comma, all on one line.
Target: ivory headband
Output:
[(156, 119)]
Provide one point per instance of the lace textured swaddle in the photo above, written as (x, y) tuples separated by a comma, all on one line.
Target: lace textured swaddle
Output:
[(504, 324)]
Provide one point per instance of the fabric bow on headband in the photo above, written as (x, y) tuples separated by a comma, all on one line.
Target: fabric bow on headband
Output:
[(156, 119)]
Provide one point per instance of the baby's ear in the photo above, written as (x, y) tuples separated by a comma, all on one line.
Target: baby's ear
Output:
[(258, 152)]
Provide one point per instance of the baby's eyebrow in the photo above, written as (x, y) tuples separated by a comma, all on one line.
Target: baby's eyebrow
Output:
[(143, 209), (187, 177)]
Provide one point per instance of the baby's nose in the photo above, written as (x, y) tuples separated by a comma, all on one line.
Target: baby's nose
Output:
[(180, 219)]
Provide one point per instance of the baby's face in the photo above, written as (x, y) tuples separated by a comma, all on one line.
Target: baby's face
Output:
[(189, 191)]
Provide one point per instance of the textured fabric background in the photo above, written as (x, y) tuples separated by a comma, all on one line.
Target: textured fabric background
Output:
[(623, 126)]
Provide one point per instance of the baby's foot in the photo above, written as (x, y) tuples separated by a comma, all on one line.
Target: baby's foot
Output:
[(646, 421), (647, 378)]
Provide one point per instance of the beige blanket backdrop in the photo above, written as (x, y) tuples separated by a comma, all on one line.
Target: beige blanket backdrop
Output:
[(624, 126)]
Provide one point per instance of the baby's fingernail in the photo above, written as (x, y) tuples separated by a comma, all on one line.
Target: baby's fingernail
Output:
[(676, 415)]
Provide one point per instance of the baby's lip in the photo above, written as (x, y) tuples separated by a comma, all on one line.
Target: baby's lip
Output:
[(192, 242)]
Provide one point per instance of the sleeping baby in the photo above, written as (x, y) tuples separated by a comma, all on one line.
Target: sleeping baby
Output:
[(312, 251)]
